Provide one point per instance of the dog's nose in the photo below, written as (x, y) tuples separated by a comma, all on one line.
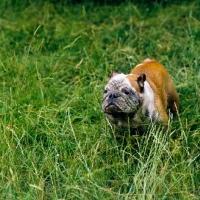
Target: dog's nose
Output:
[(113, 95)]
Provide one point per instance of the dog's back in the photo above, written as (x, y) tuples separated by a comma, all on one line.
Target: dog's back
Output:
[(162, 86)]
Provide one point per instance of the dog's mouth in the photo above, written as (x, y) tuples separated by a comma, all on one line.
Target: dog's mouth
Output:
[(117, 112), (112, 108)]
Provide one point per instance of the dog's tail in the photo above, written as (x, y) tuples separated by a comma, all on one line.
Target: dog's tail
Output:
[(147, 59)]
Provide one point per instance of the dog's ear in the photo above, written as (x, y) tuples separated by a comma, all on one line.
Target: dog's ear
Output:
[(141, 79), (114, 74)]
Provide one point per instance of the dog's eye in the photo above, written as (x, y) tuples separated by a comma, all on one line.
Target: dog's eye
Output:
[(105, 91), (126, 91)]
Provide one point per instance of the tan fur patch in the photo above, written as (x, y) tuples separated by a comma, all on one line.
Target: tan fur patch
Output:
[(133, 80)]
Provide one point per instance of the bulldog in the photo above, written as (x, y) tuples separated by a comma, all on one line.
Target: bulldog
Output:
[(141, 97)]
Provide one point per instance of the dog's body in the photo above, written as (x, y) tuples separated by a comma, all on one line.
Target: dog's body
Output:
[(141, 97)]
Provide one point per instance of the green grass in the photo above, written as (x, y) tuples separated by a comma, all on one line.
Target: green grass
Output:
[(55, 60)]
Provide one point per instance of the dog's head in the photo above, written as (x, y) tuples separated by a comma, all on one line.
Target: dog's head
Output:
[(123, 95)]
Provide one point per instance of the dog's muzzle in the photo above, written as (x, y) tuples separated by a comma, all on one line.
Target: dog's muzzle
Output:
[(112, 104)]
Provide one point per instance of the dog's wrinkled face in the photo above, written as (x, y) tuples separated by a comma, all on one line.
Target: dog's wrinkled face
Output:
[(120, 97)]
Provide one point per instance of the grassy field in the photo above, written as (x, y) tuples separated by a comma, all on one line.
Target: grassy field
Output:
[(55, 60)]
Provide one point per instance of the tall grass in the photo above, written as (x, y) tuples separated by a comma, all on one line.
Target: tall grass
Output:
[(55, 141)]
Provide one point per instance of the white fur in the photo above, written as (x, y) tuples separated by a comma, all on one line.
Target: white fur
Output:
[(120, 81), (148, 101), (121, 78), (118, 77)]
